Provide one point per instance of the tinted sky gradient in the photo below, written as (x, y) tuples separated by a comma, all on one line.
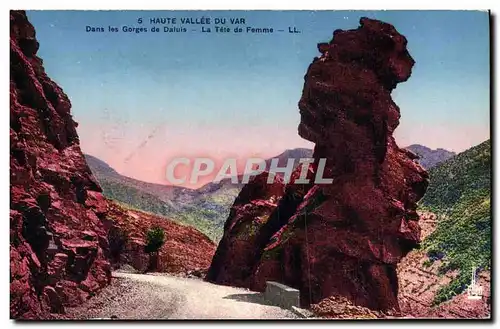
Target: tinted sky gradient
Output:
[(143, 99)]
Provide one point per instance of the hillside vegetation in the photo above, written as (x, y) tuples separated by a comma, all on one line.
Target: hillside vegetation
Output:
[(206, 212), (460, 194)]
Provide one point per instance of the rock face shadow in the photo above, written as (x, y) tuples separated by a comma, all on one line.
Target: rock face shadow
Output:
[(255, 298)]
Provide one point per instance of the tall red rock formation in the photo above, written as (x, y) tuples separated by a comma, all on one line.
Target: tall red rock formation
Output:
[(57, 237), (346, 238)]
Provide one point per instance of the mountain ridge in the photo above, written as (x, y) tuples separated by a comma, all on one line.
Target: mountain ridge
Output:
[(460, 194)]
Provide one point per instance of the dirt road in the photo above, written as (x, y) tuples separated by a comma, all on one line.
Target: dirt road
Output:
[(139, 296)]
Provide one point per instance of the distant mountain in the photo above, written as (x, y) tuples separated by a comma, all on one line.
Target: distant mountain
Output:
[(100, 167), (460, 194), (103, 171), (428, 157), (295, 154)]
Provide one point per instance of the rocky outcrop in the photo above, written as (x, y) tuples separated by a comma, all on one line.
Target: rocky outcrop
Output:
[(58, 243), (346, 238), (343, 308), (249, 225)]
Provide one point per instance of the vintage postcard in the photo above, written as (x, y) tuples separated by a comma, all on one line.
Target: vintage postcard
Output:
[(250, 165)]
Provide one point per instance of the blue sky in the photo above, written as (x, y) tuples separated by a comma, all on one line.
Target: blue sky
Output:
[(237, 93)]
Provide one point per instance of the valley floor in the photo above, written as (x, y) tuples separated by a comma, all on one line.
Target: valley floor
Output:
[(139, 296)]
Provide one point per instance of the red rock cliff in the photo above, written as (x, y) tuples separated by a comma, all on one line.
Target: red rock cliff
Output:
[(57, 238), (345, 238)]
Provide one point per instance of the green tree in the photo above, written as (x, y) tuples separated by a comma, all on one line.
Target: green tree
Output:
[(155, 238)]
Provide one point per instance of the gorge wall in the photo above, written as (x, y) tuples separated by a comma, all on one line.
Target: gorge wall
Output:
[(58, 242), (346, 238)]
